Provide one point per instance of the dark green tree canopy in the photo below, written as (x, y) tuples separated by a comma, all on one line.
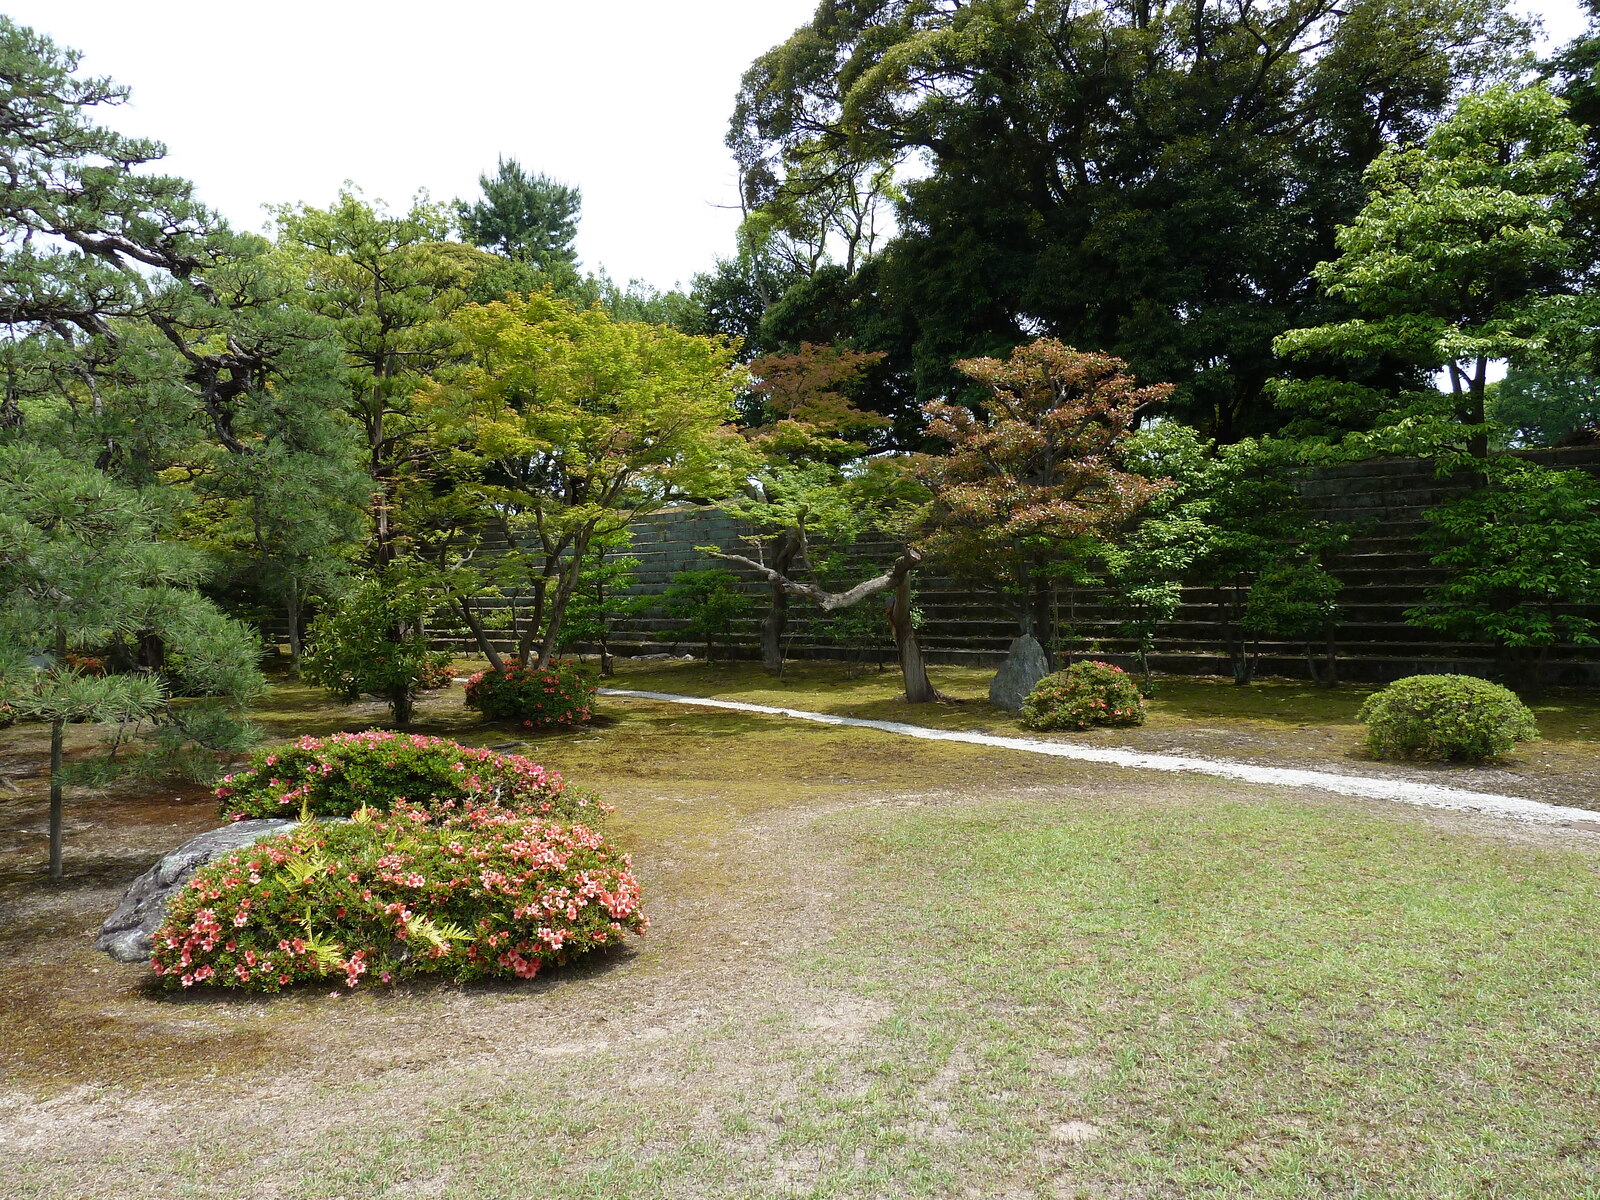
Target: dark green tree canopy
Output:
[(527, 217), (1544, 407), (1152, 180), (86, 235)]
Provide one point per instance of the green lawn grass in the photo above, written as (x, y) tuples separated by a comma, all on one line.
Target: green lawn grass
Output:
[(1262, 998), (1565, 714), (1208, 994)]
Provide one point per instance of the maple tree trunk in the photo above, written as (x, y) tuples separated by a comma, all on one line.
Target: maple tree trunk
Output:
[(897, 578), (784, 550), (566, 584), (481, 635), (772, 629), (918, 689)]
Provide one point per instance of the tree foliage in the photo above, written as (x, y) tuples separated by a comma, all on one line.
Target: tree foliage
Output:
[(1535, 406), (709, 604), (1231, 523), (386, 282), (563, 426), (529, 218), (1523, 556), (1035, 481), (83, 568), (1452, 264), (811, 480), (1151, 180), (374, 640)]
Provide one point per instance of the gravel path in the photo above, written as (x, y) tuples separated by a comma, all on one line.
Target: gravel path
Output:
[(1427, 795)]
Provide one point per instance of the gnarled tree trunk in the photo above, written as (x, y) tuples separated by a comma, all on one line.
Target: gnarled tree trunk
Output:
[(897, 578), (912, 667), (786, 549)]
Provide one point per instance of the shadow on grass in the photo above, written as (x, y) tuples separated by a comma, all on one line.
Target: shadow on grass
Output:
[(595, 965)]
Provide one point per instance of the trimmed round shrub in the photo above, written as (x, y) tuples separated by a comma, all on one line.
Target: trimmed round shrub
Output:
[(470, 892), (1085, 694), (537, 697), (1442, 717), (336, 776)]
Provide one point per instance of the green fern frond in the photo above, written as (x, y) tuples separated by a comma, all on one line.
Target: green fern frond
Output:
[(302, 868), (438, 934), (328, 953)]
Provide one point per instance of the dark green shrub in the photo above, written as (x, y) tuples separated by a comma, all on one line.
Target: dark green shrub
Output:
[(374, 642), (1086, 693), (336, 776), (478, 891), (537, 697), (709, 603), (1442, 717)]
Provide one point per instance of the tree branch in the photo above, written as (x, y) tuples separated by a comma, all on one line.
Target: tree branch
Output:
[(831, 601)]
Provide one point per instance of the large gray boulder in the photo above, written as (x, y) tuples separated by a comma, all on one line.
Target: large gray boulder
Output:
[(127, 933), (1025, 664)]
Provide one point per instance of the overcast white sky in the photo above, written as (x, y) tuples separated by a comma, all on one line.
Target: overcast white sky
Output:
[(283, 101), (628, 99)]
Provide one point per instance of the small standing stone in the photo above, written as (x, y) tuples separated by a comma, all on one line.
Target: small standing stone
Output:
[(1024, 666), (126, 935)]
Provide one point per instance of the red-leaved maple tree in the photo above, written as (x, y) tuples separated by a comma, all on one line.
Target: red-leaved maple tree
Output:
[(1035, 480)]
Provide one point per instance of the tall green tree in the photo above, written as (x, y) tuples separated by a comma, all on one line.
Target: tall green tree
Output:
[(562, 427), (808, 480), (1230, 524), (1452, 265), (732, 298), (272, 461), (387, 282), (149, 339), (83, 568), (1466, 255), (529, 218), (87, 234), (1535, 406), (1151, 180)]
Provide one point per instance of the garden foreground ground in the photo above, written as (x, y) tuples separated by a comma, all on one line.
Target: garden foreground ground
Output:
[(879, 968)]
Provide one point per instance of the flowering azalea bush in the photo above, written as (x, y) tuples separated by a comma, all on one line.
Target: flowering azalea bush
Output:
[(560, 694), (464, 890), (339, 775), (1443, 717), (435, 671), (1085, 694)]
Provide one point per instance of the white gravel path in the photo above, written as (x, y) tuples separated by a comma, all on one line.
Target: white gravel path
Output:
[(1425, 795)]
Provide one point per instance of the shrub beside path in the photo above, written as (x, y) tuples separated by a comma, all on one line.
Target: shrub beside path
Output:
[(1426, 795)]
